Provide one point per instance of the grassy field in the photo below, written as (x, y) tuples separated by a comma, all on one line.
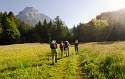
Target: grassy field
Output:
[(102, 60)]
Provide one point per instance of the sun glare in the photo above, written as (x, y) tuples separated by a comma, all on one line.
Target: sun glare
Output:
[(117, 4)]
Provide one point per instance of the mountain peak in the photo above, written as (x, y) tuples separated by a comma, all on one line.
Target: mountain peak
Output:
[(29, 9), (31, 16)]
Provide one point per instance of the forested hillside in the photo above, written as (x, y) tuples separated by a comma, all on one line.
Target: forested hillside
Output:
[(13, 30), (108, 26)]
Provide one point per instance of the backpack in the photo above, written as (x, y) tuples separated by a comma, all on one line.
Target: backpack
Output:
[(66, 44), (61, 45), (52, 45)]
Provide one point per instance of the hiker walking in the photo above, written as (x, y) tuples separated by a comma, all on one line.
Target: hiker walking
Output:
[(53, 46), (62, 48), (66, 48), (76, 46)]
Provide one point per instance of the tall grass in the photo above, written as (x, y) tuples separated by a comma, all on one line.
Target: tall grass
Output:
[(16, 60), (32, 61), (103, 60)]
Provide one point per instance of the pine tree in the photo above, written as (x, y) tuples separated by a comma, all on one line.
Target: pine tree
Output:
[(49, 31), (44, 31), (0, 24), (61, 31), (10, 34), (37, 32), (0, 31)]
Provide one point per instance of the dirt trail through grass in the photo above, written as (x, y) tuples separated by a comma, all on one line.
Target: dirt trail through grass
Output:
[(66, 68)]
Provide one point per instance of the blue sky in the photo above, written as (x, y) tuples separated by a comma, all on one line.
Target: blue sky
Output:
[(72, 12)]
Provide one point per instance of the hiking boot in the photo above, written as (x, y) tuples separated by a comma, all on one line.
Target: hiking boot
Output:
[(52, 63)]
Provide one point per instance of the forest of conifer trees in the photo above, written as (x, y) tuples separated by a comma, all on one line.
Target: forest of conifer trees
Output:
[(13, 30), (108, 26)]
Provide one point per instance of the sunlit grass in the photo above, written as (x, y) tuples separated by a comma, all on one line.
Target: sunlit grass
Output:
[(102, 60), (32, 61)]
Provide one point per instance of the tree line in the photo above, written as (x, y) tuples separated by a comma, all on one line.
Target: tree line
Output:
[(108, 26), (13, 30)]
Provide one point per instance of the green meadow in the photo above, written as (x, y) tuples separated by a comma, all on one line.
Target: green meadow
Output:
[(95, 60)]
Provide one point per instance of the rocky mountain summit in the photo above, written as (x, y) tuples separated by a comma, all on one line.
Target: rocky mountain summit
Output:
[(31, 16)]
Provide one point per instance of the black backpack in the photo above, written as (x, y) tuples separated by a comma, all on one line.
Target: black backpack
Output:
[(52, 45), (66, 44)]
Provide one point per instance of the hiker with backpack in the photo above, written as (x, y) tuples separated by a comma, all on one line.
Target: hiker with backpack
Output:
[(53, 46), (66, 48), (62, 48), (76, 46)]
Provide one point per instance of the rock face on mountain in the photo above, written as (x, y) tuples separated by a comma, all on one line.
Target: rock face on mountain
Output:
[(31, 16)]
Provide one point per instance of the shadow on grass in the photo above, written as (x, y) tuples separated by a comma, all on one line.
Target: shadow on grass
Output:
[(9, 68), (106, 42), (14, 68), (59, 58)]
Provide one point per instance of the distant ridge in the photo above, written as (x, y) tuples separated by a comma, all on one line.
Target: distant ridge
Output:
[(31, 16)]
